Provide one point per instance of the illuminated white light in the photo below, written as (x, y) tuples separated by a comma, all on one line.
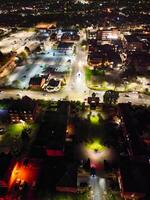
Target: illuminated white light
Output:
[(115, 37), (119, 65), (102, 183)]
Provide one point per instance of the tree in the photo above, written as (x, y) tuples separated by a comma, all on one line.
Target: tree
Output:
[(110, 97), (23, 55), (84, 43), (27, 49)]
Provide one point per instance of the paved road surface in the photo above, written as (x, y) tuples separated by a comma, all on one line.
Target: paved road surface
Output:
[(72, 95), (98, 188)]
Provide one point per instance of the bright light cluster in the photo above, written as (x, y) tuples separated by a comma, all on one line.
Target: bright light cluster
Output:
[(94, 118), (95, 145)]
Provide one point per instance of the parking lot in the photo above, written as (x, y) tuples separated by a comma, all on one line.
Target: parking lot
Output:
[(54, 62), (16, 41)]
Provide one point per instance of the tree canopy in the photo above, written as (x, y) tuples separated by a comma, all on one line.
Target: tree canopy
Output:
[(110, 97)]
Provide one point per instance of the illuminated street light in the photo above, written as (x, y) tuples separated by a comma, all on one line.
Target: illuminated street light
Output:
[(23, 122), (95, 146), (94, 118)]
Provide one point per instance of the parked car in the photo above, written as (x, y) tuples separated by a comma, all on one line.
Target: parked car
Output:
[(126, 95)]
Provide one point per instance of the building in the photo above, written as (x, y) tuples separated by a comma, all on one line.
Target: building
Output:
[(108, 34), (53, 136), (36, 83), (132, 43), (24, 109), (92, 34), (53, 85), (53, 36), (95, 59), (103, 35), (33, 46), (67, 37), (45, 26), (133, 133), (7, 67), (64, 46), (93, 101), (134, 179), (103, 55), (67, 184), (140, 61), (129, 130)]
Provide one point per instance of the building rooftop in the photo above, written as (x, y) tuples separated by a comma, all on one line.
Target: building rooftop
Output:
[(132, 132), (24, 104), (140, 57), (52, 131), (131, 38), (141, 60), (135, 176), (64, 45), (69, 178), (53, 83), (44, 25), (36, 81)]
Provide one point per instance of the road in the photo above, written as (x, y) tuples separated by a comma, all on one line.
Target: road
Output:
[(98, 188), (134, 98), (77, 83), (71, 95)]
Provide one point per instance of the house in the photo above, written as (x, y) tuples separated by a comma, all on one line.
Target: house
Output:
[(24, 109), (36, 83)]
